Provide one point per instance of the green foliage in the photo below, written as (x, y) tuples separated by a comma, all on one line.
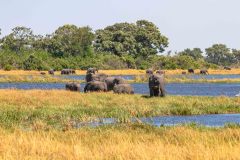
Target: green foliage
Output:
[(34, 63), (7, 67), (120, 46), (195, 53), (20, 38), (69, 40), (219, 54), (140, 39)]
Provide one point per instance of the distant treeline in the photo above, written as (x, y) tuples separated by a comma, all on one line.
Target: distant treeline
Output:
[(123, 45)]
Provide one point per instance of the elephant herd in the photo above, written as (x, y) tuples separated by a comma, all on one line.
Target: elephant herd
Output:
[(191, 71), (100, 82)]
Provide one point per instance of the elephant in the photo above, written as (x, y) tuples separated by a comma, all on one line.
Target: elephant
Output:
[(156, 85), (95, 86), (112, 81), (51, 71), (68, 71), (160, 72), (227, 68), (92, 70), (123, 89), (42, 73), (149, 71), (204, 71), (183, 72), (191, 70), (96, 77), (73, 87)]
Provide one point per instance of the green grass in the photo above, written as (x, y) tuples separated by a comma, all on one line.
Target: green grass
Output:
[(61, 108)]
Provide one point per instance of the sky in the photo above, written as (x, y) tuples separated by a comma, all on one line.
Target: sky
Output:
[(187, 23)]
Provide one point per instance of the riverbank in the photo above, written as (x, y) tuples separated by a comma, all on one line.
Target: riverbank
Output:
[(59, 108), (122, 72), (35, 79), (122, 142)]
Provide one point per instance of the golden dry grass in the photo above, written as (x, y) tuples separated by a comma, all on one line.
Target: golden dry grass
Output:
[(128, 142), (120, 72), (34, 79)]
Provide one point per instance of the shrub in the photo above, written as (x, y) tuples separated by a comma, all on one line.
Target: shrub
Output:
[(7, 67)]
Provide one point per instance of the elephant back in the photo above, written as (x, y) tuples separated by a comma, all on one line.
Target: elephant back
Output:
[(123, 89), (95, 86), (73, 86)]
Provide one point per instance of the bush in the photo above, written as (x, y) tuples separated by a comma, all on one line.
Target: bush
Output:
[(33, 63), (8, 67)]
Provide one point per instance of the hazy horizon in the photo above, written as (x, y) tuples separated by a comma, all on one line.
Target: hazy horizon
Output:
[(187, 23)]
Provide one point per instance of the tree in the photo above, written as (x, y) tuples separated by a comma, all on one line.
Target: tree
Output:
[(219, 54), (69, 40), (33, 63), (20, 38), (140, 39), (195, 53), (236, 54)]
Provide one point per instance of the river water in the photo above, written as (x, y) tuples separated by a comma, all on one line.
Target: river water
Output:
[(213, 120), (189, 76), (190, 89)]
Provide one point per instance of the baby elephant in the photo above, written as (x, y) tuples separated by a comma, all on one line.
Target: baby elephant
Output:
[(123, 88), (73, 86), (95, 86)]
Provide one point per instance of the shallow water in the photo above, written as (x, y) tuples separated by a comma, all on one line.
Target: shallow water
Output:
[(214, 120), (210, 76), (82, 77), (190, 89), (190, 76)]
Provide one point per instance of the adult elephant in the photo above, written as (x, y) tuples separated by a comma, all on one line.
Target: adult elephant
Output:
[(112, 81), (149, 71), (191, 71), (227, 68), (68, 71), (92, 70), (51, 71), (96, 77), (73, 87), (204, 71), (95, 86), (123, 89), (156, 85)]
